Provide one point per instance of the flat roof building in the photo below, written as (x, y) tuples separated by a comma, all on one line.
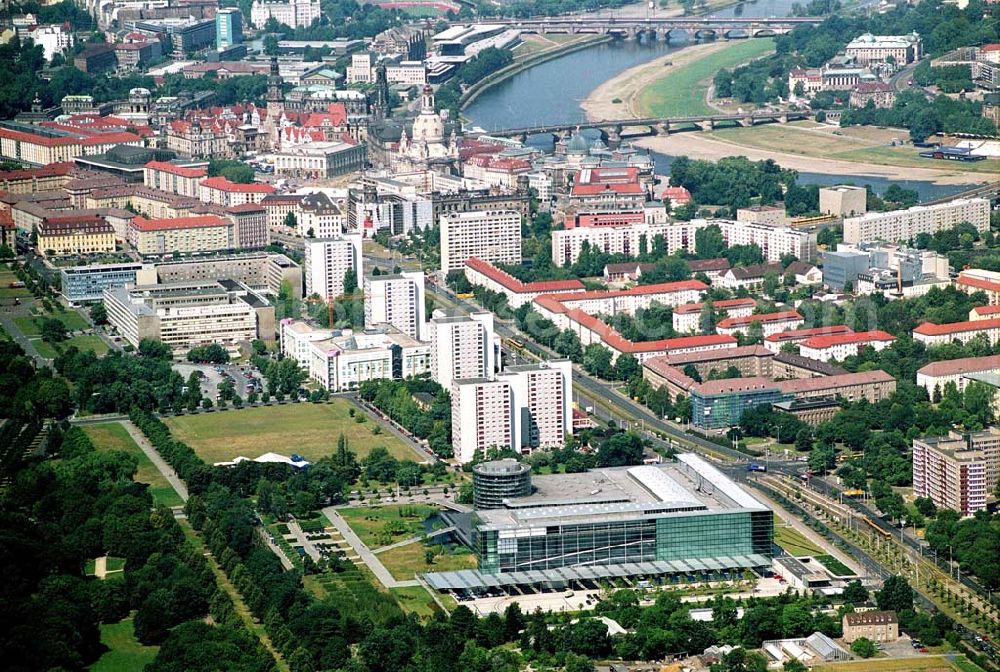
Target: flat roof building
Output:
[(904, 225), (957, 471), (683, 518)]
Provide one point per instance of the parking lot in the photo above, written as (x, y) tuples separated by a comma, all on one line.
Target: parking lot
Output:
[(244, 378)]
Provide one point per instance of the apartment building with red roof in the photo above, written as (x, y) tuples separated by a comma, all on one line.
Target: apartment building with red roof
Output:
[(770, 323), (936, 375), (687, 317), (518, 293), (774, 342), (940, 334), (841, 346), (183, 180), (221, 191)]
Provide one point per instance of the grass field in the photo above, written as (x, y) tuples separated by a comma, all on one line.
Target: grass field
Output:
[(682, 92), (834, 565), (125, 653), (405, 562), (6, 291), (309, 430), (863, 144), (369, 523), (793, 541), (113, 436), (415, 600), (921, 664)]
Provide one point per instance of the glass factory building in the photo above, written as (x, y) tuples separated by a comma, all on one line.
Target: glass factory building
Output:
[(683, 518)]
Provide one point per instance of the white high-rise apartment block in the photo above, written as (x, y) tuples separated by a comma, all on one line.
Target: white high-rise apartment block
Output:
[(327, 261), (462, 347), (397, 300), (904, 225), (957, 471), (542, 404), (491, 235), (293, 13), (481, 417)]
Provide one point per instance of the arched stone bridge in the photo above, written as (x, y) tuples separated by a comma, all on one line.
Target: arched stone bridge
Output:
[(697, 27), (613, 130)]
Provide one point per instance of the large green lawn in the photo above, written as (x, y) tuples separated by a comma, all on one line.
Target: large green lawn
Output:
[(125, 653), (369, 523), (113, 436), (405, 562), (310, 430), (682, 91), (415, 600), (793, 541)]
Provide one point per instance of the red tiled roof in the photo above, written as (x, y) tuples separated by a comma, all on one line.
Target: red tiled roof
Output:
[(785, 315), (51, 170), (640, 290), (100, 139), (706, 265), (174, 169), (803, 334), (978, 283), (517, 286), (591, 189), (986, 310), (931, 329), (222, 184), (143, 224), (717, 305), (820, 342), (246, 207)]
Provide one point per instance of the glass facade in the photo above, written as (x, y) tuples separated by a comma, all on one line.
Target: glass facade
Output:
[(693, 536), (717, 411), (87, 283)]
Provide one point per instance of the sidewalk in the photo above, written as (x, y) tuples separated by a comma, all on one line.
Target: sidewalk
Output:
[(365, 553)]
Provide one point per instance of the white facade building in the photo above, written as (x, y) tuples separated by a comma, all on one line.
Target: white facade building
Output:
[(397, 300), (482, 417), (542, 404), (327, 260), (904, 225), (53, 39), (293, 13), (841, 346), (462, 347), (936, 375), (491, 235)]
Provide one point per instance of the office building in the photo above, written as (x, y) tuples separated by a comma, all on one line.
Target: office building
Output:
[(186, 34), (173, 178), (482, 417), (327, 261), (843, 200), (841, 268), (490, 235), (499, 480), (683, 519), (462, 347), (319, 160), (398, 300), (957, 471), (292, 13), (607, 190), (260, 271), (228, 27), (201, 233), (905, 225), (81, 284), (343, 359), (542, 403), (188, 314), (766, 215)]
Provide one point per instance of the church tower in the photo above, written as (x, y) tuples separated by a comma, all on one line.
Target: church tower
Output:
[(275, 102), (380, 108)]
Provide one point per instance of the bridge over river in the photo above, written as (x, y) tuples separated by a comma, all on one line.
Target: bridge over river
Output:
[(695, 26)]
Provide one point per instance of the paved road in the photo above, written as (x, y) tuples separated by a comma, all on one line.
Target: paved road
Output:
[(154, 457), (303, 540), (365, 553), (6, 320)]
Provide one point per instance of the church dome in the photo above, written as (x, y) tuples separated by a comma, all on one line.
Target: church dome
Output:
[(577, 145)]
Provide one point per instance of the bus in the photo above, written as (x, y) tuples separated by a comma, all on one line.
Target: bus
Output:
[(516, 344), (753, 466)]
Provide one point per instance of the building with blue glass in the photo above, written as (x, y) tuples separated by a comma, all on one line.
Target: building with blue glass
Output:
[(82, 284), (228, 27), (682, 520), (716, 404)]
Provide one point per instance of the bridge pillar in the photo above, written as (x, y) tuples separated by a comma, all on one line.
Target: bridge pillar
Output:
[(783, 118), (662, 129), (706, 124), (633, 33), (522, 137), (746, 121)]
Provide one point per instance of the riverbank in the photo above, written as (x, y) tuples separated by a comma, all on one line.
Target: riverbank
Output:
[(696, 145), (627, 86), (530, 61)]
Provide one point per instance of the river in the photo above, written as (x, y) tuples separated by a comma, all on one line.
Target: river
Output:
[(551, 93)]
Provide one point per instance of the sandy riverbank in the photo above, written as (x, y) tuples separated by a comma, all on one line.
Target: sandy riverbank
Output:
[(628, 85), (696, 145)]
